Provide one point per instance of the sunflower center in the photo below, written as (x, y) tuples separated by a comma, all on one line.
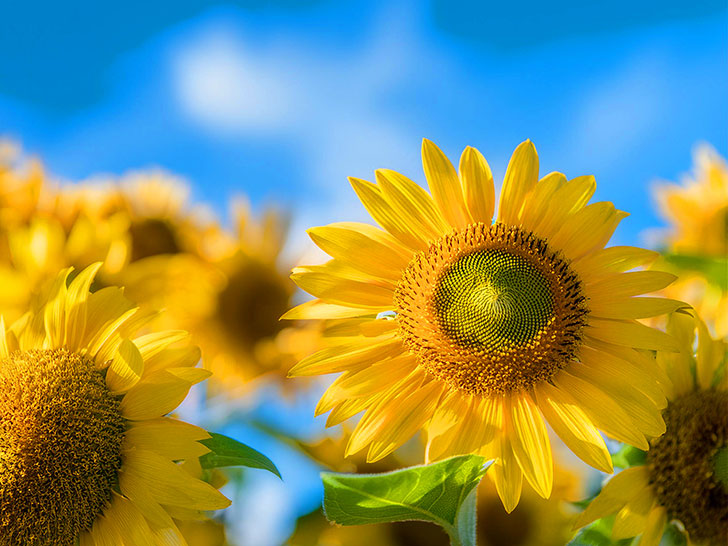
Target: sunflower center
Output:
[(252, 302), (152, 237), (493, 298), (60, 447), (682, 465), (491, 309)]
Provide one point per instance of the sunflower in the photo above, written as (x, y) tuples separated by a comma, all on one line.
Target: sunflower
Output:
[(87, 454), (698, 214), (230, 298), (476, 331), (698, 209), (685, 474)]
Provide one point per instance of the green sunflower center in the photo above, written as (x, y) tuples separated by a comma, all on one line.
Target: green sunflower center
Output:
[(491, 309), (60, 447), (493, 298), (682, 463)]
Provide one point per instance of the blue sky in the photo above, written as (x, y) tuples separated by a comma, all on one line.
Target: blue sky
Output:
[(282, 100)]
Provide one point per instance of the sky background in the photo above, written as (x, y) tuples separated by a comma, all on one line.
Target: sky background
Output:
[(282, 100)]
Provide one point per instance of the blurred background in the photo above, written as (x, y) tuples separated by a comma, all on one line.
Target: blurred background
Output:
[(280, 101)]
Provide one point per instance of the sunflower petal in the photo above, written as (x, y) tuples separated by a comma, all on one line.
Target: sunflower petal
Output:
[(383, 213), (521, 177), (412, 202), (350, 356), (632, 308), (444, 185), (160, 392), (507, 476), (170, 438), (531, 445), (631, 520), (654, 528), (617, 492), (631, 333), (364, 247), (126, 368), (573, 426), (477, 180)]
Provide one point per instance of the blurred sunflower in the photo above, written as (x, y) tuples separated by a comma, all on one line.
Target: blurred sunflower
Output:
[(685, 475), (476, 331), (88, 454), (230, 297), (697, 243)]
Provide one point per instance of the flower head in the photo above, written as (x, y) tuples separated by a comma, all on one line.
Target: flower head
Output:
[(87, 453), (475, 331), (685, 475)]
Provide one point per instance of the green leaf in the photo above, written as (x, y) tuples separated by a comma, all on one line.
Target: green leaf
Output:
[(225, 451), (714, 269), (443, 493)]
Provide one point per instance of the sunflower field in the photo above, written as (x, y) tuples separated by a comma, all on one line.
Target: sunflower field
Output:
[(209, 338)]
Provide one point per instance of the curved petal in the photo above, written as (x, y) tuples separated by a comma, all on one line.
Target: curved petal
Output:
[(573, 426), (477, 180), (126, 368), (444, 185), (531, 445), (412, 202), (617, 492), (631, 333), (521, 177)]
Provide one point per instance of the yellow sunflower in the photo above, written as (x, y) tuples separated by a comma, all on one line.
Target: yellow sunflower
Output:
[(476, 331), (230, 298), (685, 475), (87, 454), (698, 214), (698, 209)]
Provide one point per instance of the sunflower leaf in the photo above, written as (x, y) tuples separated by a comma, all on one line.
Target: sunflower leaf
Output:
[(443, 493), (225, 451)]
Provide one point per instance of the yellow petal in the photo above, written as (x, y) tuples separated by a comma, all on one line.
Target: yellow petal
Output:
[(160, 392), (567, 199), (55, 310), (173, 439), (412, 202), (351, 356), (134, 488), (329, 285), (573, 426), (587, 229), (631, 333), (365, 382), (405, 418), (317, 309), (129, 522), (617, 492), (642, 411), (632, 308), (477, 180), (604, 412), (632, 518), (104, 533), (521, 177), (654, 528), (126, 368), (614, 259), (711, 352), (630, 284), (152, 344), (168, 484), (364, 247), (530, 444), (507, 476), (608, 369), (4, 350), (537, 214), (383, 213), (176, 357), (444, 185), (78, 293)]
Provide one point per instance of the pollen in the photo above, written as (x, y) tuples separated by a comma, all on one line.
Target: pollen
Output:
[(681, 465), (491, 309), (60, 447)]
